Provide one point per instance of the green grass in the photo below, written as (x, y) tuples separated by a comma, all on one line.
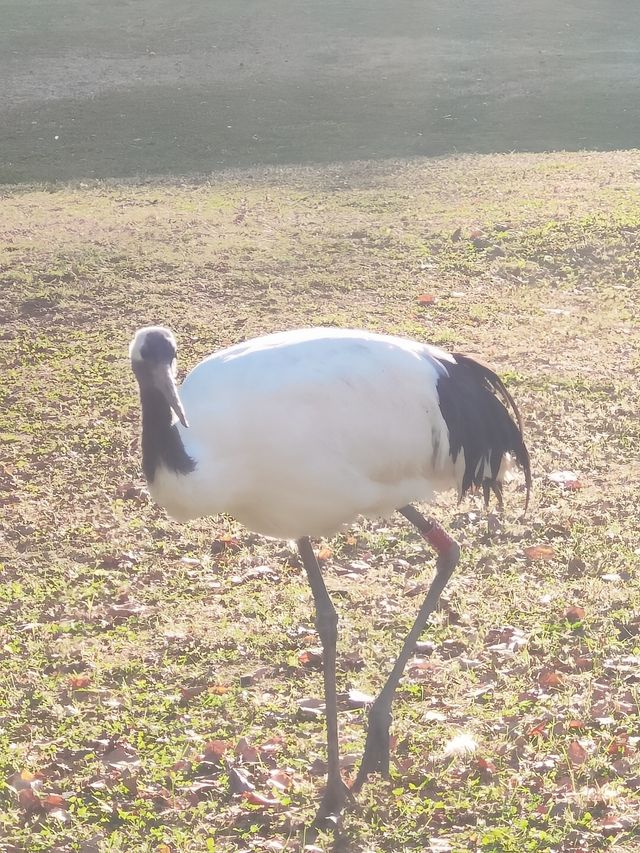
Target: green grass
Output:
[(124, 634)]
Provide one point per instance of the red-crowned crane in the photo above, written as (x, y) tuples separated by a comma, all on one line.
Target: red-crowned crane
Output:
[(297, 433)]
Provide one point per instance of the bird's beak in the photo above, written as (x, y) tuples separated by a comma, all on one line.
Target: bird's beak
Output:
[(165, 383)]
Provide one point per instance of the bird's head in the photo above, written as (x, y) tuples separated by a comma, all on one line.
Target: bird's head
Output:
[(153, 360)]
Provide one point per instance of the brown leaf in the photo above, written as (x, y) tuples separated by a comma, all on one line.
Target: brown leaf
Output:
[(271, 746), (132, 492), (199, 789), (630, 629), (354, 568), (538, 729), (486, 767), (351, 661), (311, 658), (29, 800), (251, 678), (620, 745), (52, 801), (324, 554), (420, 667), (248, 753), (567, 479), (574, 614), (214, 750), (311, 708), (577, 753), (225, 543), (452, 648), (239, 781), (120, 757), (118, 561), (612, 825), (540, 552), (79, 682), (549, 679), (187, 693), (280, 780), (259, 799)]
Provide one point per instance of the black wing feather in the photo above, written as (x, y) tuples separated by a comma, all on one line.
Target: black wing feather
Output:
[(483, 421)]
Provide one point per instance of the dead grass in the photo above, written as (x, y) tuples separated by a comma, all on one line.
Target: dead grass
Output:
[(129, 643)]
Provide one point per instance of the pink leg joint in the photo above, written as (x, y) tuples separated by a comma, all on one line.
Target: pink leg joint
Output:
[(438, 538)]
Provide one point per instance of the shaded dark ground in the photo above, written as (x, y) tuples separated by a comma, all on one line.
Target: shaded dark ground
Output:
[(150, 87)]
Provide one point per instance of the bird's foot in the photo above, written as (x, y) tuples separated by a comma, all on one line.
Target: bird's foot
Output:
[(376, 750), (336, 796)]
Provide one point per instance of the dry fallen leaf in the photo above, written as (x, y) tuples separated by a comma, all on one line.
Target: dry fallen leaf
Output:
[(538, 729), (426, 299), (351, 661), (311, 708), (29, 800), (271, 746), (52, 801), (357, 699), (577, 753), (187, 693), (79, 682), (540, 552), (214, 750), (575, 614), (259, 799), (311, 658), (248, 753), (239, 781), (549, 679), (280, 780), (120, 757), (567, 479)]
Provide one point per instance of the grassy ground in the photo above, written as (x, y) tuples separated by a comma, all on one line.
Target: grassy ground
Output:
[(148, 667), (94, 89)]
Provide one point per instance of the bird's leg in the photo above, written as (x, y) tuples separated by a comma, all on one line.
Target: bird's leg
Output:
[(376, 753), (336, 792)]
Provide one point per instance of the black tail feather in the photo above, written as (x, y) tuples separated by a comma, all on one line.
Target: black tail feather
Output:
[(484, 422)]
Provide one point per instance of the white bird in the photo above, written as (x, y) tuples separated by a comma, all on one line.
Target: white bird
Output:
[(297, 433)]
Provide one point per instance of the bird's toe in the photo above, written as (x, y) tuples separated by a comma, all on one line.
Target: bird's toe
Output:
[(336, 797)]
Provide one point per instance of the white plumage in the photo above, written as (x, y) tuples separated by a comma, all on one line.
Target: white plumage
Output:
[(297, 433)]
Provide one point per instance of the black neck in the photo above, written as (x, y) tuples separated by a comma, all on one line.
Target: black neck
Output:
[(161, 442)]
